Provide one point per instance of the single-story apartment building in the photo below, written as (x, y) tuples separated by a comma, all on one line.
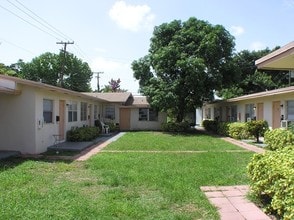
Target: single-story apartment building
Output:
[(129, 112), (33, 114), (275, 106)]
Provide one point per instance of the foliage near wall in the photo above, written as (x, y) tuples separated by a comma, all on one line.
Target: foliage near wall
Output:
[(272, 181)]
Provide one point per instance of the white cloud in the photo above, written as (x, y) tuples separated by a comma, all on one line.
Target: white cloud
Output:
[(132, 17), (257, 45), (237, 30), (113, 69)]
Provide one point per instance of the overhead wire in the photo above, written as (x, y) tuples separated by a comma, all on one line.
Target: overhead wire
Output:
[(45, 27), (60, 33), (17, 46), (28, 22), (36, 20)]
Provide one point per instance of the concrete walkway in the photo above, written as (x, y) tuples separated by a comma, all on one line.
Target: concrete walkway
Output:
[(232, 203), (244, 145), (87, 153)]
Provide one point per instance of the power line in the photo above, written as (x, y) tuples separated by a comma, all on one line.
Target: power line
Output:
[(28, 22), (48, 25), (15, 45), (36, 20)]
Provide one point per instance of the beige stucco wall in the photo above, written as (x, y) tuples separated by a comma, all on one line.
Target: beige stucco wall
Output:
[(267, 102), (20, 116), (146, 125), (17, 117)]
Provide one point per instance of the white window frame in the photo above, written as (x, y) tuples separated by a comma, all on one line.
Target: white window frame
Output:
[(48, 107), (83, 112), (147, 114), (110, 112), (72, 111)]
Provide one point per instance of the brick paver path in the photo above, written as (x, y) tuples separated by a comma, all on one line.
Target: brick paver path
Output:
[(232, 203)]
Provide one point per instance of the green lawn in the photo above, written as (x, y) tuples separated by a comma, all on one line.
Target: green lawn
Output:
[(124, 185), (170, 142)]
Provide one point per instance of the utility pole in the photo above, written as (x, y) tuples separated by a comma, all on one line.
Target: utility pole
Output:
[(98, 77), (63, 62)]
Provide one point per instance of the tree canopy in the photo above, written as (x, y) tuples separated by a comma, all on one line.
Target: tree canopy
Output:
[(250, 80), (186, 62), (48, 66), (113, 86)]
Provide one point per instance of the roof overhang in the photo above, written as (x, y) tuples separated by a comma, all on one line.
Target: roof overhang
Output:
[(281, 59)]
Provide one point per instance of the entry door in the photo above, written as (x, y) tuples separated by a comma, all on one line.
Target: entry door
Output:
[(276, 114), (124, 119), (61, 119), (260, 111)]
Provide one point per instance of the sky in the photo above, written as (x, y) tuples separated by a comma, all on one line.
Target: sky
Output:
[(110, 34)]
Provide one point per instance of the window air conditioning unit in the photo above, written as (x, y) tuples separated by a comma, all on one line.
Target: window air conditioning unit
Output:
[(248, 119), (284, 124)]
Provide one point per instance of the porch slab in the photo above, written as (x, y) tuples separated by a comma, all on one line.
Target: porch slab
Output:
[(79, 146)]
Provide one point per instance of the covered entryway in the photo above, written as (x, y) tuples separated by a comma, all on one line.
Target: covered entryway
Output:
[(276, 114), (124, 119)]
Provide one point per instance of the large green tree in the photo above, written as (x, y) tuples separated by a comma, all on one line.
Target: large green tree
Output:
[(187, 61), (249, 79), (5, 70), (47, 68)]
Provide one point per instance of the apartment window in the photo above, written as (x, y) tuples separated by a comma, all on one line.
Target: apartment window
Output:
[(110, 112), (48, 110), (146, 114), (290, 110), (143, 114), (72, 111), (83, 111), (249, 112)]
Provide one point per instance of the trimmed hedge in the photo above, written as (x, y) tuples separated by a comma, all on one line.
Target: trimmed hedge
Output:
[(210, 125), (272, 181), (278, 138), (238, 130), (82, 134), (257, 128), (175, 126)]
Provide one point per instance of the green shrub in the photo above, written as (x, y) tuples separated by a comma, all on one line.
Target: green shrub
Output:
[(257, 128), (82, 134), (272, 180), (175, 126), (278, 138), (238, 130), (112, 126), (223, 128), (210, 125)]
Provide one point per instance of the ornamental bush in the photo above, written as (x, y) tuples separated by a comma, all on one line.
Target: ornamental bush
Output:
[(257, 128), (210, 125), (82, 134), (175, 126), (223, 128), (238, 130), (272, 181), (278, 138)]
